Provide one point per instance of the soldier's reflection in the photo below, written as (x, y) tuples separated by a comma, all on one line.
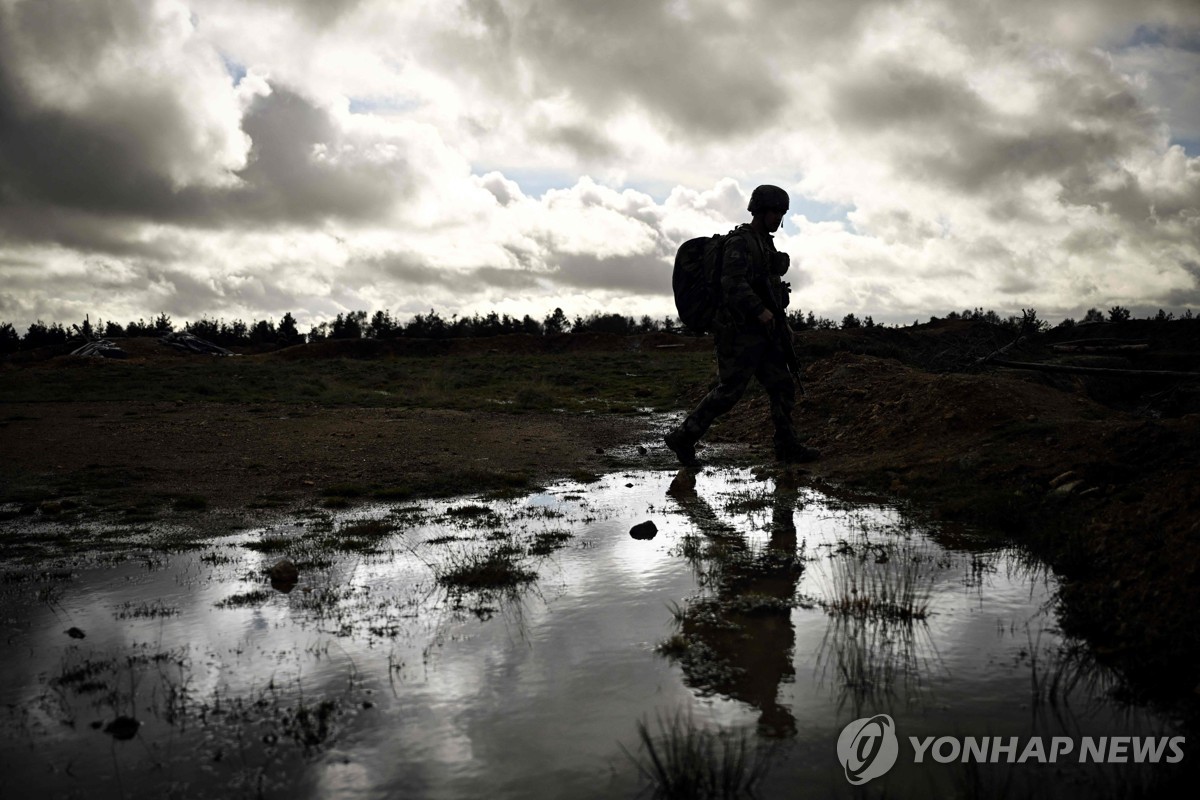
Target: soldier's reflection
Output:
[(737, 638)]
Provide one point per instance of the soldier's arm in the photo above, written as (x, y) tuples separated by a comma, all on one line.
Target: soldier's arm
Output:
[(736, 271)]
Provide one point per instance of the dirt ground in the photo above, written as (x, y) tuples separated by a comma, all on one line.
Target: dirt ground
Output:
[(1100, 480), (234, 455), (1109, 497)]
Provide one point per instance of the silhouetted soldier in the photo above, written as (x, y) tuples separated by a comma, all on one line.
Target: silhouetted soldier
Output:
[(747, 330)]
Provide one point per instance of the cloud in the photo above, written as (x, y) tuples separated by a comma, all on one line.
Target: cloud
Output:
[(248, 158), (690, 64), (112, 106)]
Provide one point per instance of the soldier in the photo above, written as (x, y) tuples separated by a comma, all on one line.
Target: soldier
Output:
[(753, 299)]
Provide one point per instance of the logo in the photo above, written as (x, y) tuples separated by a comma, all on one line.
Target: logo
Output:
[(868, 748)]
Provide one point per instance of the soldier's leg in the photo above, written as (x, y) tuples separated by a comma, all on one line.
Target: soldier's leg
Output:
[(737, 360), (773, 374)]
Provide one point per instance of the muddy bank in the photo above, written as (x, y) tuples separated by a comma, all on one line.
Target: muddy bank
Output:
[(247, 457), (1107, 497)]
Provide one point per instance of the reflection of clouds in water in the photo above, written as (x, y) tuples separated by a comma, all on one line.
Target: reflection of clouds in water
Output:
[(556, 679)]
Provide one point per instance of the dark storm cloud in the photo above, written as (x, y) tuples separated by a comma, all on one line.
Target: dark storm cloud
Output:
[(635, 274), (26, 223), (409, 270), (1189, 297), (707, 75), (320, 12), (901, 95), (945, 132), (501, 278), (145, 146), (985, 161), (583, 140), (1083, 125), (287, 181), (403, 267), (1135, 203), (52, 160), (97, 162)]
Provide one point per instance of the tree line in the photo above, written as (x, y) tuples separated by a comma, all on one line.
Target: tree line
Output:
[(382, 325), (350, 325)]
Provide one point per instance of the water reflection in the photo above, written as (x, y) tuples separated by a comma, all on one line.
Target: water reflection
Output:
[(793, 615), (737, 638), (877, 647), (873, 662)]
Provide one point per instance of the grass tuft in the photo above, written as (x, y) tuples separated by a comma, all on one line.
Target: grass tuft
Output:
[(685, 760), (484, 570)]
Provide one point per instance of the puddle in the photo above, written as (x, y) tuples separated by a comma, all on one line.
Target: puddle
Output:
[(534, 648)]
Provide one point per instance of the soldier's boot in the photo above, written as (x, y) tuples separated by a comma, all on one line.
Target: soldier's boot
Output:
[(791, 450), (682, 442)]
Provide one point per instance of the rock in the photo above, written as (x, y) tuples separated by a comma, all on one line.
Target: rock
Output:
[(1067, 488), (629, 486), (284, 575), (642, 450), (644, 530), (599, 451), (75, 633), (1061, 479), (123, 728)]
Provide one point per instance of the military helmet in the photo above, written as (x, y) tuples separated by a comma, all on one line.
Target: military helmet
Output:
[(768, 198)]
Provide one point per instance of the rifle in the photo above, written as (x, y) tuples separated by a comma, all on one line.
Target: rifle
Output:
[(779, 329)]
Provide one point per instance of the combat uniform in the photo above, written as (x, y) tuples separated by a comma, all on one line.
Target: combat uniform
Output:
[(745, 346)]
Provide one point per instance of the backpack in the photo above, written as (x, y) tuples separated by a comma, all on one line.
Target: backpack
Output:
[(696, 281)]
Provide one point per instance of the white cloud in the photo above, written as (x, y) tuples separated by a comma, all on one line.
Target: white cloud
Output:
[(250, 158)]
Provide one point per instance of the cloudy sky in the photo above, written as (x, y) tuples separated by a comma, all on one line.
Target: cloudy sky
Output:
[(245, 158)]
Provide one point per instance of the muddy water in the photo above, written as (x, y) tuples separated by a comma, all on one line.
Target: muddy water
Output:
[(761, 615)]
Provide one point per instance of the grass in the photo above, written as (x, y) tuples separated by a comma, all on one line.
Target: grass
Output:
[(468, 510), (149, 610), (255, 597), (486, 570), (749, 501), (190, 502), (271, 544), (891, 581), (546, 542), (362, 536), (869, 660), (596, 381), (501, 484), (685, 760)]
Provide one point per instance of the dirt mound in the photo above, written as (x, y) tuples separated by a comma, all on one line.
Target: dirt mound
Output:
[(855, 404), (1108, 498)]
